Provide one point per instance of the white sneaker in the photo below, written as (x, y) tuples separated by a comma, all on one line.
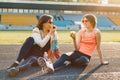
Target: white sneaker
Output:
[(47, 66)]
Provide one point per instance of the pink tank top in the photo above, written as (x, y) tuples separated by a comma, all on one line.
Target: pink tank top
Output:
[(87, 44)]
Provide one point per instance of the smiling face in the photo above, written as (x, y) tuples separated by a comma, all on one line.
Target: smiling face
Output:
[(86, 23), (89, 21)]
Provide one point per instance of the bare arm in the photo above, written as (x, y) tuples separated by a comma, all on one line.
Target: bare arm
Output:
[(73, 36), (76, 39), (79, 39), (75, 44), (98, 40)]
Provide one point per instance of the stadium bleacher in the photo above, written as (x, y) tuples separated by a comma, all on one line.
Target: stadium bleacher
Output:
[(19, 17), (115, 20), (18, 20), (103, 22), (72, 17), (0, 18), (63, 23)]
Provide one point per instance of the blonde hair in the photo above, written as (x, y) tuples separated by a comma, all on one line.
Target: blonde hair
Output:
[(92, 18)]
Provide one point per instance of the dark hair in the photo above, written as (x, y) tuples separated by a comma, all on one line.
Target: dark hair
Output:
[(43, 19), (92, 18)]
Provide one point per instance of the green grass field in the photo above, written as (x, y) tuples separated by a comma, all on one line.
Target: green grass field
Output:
[(18, 37)]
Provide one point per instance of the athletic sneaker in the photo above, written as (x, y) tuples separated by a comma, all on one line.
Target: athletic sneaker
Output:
[(13, 72), (47, 66), (15, 64)]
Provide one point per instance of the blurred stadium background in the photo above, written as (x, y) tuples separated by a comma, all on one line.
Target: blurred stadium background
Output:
[(23, 15)]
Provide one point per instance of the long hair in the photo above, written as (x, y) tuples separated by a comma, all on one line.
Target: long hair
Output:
[(43, 19), (92, 18)]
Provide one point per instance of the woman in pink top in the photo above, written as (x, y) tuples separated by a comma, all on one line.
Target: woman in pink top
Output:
[(88, 40)]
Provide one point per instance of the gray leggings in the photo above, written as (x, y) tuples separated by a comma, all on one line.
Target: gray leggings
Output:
[(28, 63)]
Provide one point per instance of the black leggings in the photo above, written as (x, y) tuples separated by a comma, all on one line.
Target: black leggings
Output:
[(30, 49)]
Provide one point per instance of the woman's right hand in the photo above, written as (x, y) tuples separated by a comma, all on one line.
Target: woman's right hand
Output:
[(105, 63), (52, 30), (73, 34)]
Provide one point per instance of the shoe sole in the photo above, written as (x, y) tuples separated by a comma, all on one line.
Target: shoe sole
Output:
[(12, 73), (43, 64)]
